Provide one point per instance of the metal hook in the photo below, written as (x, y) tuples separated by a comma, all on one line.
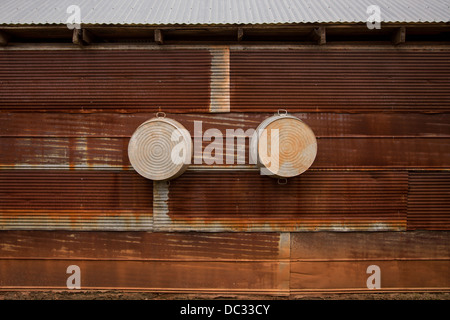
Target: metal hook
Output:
[(282, 112), (282, 181), (160, 114)]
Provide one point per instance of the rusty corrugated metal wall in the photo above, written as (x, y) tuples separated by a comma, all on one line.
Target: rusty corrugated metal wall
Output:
[(61, 80), (340, 80), (383, 128)]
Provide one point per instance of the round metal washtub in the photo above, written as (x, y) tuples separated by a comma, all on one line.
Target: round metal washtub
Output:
[(150, 149), (296, 148)]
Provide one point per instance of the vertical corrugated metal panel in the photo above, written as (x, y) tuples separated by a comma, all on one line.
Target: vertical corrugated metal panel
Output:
[(340, 80), (429, 201), (75, 200), (246, 201), (220, 79), (106, 79)]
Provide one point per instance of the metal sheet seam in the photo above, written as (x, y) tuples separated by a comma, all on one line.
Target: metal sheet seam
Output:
[(284, 266), (160, 204), (220, 79)]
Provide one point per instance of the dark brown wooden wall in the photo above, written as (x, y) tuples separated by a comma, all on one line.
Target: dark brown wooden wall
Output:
[(382, 121)]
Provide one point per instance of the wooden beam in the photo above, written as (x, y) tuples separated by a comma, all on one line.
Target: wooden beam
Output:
[(399, 36), (87, 37), (76, 37), (240, 34), (159, 39), (82, 37), (319, 35), (4, 39)]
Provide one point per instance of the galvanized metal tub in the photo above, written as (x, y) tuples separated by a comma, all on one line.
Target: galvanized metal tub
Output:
[(291, 154), (160, 149)]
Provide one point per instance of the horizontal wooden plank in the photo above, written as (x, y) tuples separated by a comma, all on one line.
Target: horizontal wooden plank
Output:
[(117, 125), (343, 153)]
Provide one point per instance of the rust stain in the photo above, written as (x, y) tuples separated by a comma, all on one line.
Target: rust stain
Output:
[(225, 201), (365, 178), (51, 199), (357, 141), (296, 146), (325, 125), (315, 201), (140, 245), (335, 153), (274, 263)]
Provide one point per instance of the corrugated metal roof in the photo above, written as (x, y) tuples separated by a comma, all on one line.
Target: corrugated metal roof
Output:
[(219, 12)]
